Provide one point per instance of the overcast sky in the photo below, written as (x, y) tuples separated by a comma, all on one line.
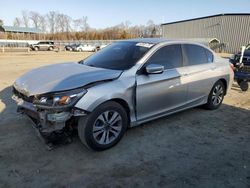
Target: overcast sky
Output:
[(105, 13)]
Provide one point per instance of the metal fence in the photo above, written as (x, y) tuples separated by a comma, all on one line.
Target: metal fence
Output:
[(90, 42), (23, 45), (26, 43)]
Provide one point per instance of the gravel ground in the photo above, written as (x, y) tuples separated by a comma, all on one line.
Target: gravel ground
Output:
[(194, 148)]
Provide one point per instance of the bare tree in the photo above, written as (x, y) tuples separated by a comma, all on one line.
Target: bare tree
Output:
[(59, 24), (17, 22), (25, 18), (42, 23), (81, 24), (1, 22), (84, 23), (76, 24), (67, 21), (149, 30), (35, 18), (127, 24), (51, 16)]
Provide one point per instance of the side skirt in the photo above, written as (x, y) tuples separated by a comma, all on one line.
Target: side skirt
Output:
[(193, 104)]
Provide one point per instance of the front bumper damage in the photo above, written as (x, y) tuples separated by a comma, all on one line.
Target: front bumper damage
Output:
[(47, 120)]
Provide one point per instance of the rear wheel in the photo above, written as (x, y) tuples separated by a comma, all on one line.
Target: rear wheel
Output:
[(239, 81), (36, 48), (216, 96), (104, 127), (50, 48), (243, 85)]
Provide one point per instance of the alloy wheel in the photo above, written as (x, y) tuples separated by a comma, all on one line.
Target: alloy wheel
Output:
[(217, 95), (107, 127)]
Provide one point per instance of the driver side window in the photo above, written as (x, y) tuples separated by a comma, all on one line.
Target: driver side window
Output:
[(169, 56)]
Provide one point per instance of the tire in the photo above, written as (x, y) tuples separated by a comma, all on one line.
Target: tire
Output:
[(239, 81), (216, 96), (36, 48), (243, 85), (50, 48), (99, 134)]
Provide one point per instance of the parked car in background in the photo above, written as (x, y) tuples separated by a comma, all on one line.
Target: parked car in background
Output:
[(43, 45), (70, 47), (246, 56), (242, 70), (103, 46), (100, 46), (85, 48), (125, 84)]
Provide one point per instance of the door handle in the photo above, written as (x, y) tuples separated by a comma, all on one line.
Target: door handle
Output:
[(185, 74)]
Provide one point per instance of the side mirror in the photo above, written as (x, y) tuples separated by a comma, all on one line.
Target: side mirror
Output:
[(154, 69)]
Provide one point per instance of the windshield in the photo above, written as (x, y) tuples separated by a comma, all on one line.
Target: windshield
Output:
[(119, 55)]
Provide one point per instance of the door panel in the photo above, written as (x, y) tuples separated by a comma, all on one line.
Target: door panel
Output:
[(158, 93), (201, 79), (201, 68), (41, 46)]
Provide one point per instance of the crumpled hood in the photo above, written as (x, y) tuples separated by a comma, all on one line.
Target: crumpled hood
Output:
[(60, 77)]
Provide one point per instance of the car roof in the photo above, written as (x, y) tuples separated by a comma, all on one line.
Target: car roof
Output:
[(156, 41), (161, 40), (150, 40)]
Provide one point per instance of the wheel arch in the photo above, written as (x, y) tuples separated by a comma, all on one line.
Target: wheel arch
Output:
[(120, 101), (223, 80), (124, 104)]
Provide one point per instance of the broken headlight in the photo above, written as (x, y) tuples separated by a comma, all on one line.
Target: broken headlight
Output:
[(67, 98)]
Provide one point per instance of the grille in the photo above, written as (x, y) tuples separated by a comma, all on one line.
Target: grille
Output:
[(22, 96)]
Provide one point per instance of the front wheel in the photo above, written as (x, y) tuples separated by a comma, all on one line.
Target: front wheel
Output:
[(216, 96), (104, 127)]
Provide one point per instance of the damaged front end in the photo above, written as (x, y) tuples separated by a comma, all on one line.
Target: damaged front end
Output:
[(50, 112)]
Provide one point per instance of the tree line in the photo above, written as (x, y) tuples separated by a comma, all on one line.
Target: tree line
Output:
[(59, 26)]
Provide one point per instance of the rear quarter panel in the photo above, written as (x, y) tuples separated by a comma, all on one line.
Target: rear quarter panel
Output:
[(224, 70)]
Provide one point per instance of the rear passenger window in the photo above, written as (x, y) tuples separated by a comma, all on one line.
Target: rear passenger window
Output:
[(210, 56), (197, 55), (169, 56)]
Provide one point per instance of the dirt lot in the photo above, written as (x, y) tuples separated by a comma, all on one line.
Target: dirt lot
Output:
[(194, 148)]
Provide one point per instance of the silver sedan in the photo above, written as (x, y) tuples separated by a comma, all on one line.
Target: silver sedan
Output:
[(123, 85)]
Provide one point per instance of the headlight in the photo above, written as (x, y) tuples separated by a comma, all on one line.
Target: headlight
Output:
[(61, 99)]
